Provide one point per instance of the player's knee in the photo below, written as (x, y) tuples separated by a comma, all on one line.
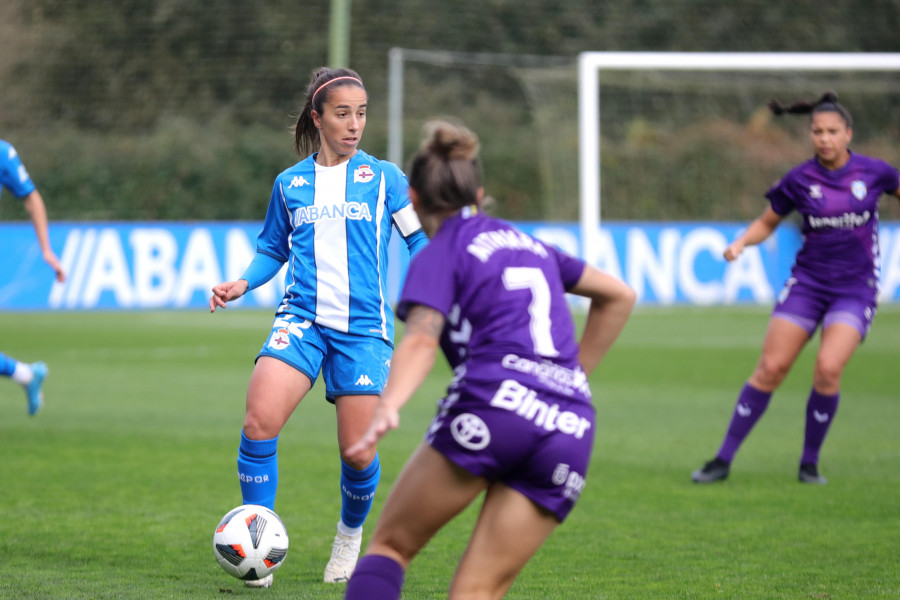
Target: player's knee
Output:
[(827, 374), (359, 463), (771, 372), (257, 427)]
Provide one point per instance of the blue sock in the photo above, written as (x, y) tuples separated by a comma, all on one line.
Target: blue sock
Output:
[(375, 578), (7, 365), (358, 492), (258, 470)]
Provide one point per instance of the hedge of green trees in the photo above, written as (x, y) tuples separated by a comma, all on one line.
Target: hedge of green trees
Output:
[(165, 109)]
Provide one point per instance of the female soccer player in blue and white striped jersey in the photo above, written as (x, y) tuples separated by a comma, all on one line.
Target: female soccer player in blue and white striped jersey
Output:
[(15, 178), (329, 218)]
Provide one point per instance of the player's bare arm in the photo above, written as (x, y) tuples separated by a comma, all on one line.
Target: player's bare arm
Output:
[(611, 303), (757, 232)]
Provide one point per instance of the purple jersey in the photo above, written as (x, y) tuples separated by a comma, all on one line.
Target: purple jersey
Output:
[(502, 293), (840, 219)]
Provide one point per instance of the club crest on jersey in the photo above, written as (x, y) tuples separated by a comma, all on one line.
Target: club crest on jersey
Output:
[(363, 174), (858, 188)]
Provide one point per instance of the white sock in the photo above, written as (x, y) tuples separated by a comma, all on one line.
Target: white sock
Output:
[(348, 531), (23, 373)]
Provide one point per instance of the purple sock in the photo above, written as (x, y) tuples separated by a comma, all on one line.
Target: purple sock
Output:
[(750, 406), (820, 411), (375, 578)]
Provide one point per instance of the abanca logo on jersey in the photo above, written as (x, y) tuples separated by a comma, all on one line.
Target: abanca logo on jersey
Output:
[(355, 211)]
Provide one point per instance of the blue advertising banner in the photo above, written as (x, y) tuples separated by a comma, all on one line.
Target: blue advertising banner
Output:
[(157, 265)]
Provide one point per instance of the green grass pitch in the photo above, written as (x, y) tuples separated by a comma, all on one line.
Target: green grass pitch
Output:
[(114, 488)]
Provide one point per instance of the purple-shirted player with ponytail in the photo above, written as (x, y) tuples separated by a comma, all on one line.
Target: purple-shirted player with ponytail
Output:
[(517, 422), (834, 281)]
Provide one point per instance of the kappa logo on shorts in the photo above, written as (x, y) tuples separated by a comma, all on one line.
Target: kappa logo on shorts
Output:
[(470, 432), (363, 380)]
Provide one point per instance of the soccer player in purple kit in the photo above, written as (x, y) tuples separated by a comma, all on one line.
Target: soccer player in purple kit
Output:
[(517, 422), (833, 283)]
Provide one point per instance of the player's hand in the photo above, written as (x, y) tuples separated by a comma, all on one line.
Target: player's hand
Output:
[(734, 250), (383, 420), (50, 259), (224, 293)]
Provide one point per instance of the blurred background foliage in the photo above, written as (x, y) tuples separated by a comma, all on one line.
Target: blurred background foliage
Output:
[(168, 109)]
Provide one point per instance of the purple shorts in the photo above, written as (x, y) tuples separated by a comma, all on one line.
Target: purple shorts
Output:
[(808, 305), (536, 442)]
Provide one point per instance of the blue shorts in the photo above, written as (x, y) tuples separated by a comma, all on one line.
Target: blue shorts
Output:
[(536, 442), (351, 365), (808, 306)]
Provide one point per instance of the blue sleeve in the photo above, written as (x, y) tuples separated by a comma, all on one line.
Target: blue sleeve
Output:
[(13, 174), (260, 270), (276, 231), (401, 209), (416, 242)]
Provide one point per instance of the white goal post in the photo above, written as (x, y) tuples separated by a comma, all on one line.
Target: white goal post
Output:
[(590, 64)]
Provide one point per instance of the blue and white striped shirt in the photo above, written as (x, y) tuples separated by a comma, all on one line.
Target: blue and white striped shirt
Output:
[(12, 172), (332, 225)]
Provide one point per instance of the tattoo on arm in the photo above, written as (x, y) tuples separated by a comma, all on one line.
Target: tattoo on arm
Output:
[(426, 321)]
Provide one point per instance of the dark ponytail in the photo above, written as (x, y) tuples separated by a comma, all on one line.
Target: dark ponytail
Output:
[(827, 103)]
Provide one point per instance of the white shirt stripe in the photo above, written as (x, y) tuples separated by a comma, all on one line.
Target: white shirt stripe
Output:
[(332, 270)]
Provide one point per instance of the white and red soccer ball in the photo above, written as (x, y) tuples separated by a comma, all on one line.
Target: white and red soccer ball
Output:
[(250, 542)]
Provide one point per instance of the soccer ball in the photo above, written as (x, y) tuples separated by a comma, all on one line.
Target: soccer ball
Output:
[(250, 542)]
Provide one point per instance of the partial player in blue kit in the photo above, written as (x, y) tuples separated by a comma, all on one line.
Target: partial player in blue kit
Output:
[(517, 422), (833, 283), (15, 178), (330, 219)]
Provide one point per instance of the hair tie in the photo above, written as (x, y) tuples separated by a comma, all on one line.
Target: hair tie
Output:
[(333, 80)]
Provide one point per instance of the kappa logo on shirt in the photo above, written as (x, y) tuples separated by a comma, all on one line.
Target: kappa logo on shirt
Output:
[(363, 174), (363, 380), (298, 181)]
